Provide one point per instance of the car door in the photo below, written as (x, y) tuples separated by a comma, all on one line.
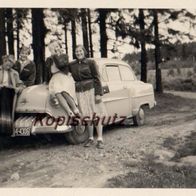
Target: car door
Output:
[(129, 81), (117, 100)]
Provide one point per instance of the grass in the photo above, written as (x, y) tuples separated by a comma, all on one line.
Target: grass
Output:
[(176, 75), (167, 103), (150, 174), (156, 175), (189, 63), (169, 143), (188, 148), (180, 79)]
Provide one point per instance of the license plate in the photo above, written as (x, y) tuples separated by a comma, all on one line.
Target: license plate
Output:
[(22, 131)]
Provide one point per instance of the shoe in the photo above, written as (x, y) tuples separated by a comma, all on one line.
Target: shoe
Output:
[(100, 144), (89, 143)]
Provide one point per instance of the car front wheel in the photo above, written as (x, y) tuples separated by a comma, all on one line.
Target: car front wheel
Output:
[(78, 135), (139, 118)]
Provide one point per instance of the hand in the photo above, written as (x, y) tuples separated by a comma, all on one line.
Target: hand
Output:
[(98, 98), (54, 101), (18, 90)]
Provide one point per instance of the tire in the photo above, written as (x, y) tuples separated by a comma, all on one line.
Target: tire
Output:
[(7, 107), (78, 135), (69, 138), (139, 119)]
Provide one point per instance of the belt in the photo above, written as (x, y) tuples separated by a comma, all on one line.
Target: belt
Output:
[(84, 85)]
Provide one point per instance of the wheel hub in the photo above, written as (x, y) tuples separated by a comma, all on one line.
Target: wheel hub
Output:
[(80, 129)]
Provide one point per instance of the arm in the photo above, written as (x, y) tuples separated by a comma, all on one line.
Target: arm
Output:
[(32, 74), (96, 77), (19, 84), (16, 66), (47, 72)]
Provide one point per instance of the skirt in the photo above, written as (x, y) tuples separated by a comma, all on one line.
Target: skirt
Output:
[(61, 82), (87, 105)]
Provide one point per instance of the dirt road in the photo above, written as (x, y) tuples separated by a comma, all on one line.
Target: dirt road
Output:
[(36, 162)]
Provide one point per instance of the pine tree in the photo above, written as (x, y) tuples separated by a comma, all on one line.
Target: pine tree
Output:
[(2, 34), (38, 34)]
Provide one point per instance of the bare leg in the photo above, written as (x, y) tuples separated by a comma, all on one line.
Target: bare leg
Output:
[(90, 140), (99, 129), (90, 131), (64, 104), (71, 102)]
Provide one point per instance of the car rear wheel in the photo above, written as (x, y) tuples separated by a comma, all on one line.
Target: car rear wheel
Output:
[(78, 135), (139, 118)]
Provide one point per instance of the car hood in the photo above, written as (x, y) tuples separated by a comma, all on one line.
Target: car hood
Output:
[(33, 99)]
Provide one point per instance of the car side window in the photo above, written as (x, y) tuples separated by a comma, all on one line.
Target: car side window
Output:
[(126, 73), (113, 73)]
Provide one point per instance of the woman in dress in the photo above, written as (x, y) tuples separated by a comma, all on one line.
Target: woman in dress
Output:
[(62, 85), (25, 67), (88, 91)]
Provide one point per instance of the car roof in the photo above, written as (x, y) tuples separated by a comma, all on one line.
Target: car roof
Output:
[(101, 61)]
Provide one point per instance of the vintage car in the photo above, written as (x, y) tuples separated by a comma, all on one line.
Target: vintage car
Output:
[(124, 96)]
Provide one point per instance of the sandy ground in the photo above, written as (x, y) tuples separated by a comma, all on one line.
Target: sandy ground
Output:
[(37, 162)]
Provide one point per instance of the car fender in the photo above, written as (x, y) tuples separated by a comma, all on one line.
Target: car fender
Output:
[(141, 94), (36, 99)]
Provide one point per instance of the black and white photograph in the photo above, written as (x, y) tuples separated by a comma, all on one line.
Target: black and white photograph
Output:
[(97, 97)]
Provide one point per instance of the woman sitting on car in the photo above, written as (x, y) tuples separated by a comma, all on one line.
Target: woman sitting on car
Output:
[(62, 85), (55, 49)]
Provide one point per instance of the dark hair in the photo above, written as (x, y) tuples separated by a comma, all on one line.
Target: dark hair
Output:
[(61, 62), (9, 57), (83, 48)]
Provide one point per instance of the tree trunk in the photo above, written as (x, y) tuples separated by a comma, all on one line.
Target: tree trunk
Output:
[(10, 32), (17, 33), (184, 56), (73, 33), (38, 34), (85, 31), (90, 34), (66, 45), (2, 34), (103, 33), (143, 47), (157, 53)]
